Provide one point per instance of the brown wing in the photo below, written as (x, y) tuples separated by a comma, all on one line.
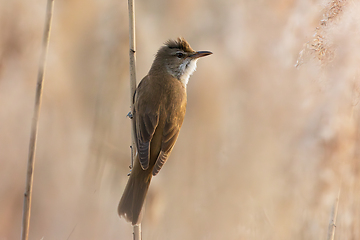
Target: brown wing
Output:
[(146, 121), (145, 128), (171, 133)]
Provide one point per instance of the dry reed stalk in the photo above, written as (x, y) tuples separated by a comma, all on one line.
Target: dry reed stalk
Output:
[(35, 123), (137, 232), (332, 224), (132, 57), (132, 63)]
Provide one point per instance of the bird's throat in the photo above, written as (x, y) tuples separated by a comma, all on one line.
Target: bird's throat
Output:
[(184, 71), (187, 69)]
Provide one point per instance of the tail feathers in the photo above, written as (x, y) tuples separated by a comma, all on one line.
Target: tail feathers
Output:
[(132, 200)]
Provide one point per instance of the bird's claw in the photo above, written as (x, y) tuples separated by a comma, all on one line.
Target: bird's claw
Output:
[(129, 171), (129, 115)]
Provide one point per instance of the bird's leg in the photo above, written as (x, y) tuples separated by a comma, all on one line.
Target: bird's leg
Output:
[(130, 115)]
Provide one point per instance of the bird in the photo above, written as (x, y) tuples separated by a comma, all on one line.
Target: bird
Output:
[(159, 109)]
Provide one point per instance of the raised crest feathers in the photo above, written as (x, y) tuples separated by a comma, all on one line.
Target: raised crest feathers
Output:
[(179, 43)]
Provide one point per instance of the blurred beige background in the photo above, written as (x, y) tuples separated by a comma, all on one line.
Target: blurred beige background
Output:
[(265, 146)]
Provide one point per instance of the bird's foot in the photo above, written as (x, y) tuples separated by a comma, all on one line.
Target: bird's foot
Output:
[(130, 115)]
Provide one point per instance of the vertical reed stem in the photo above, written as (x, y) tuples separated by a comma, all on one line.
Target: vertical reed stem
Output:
[(132, 56), (137, 232)]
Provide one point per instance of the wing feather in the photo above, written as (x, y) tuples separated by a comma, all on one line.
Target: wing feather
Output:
[(146, 125), (170, 135)]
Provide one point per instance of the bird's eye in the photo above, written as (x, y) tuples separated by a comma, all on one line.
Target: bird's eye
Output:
[(179, 54)]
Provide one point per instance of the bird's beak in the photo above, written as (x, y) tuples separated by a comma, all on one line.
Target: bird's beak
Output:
[(200, 54)]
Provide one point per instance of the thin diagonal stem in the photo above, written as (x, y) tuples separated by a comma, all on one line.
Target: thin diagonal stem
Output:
[(332, 224), (35, 123)]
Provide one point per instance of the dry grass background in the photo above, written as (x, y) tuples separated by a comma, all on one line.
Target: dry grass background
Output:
[(264, 148)]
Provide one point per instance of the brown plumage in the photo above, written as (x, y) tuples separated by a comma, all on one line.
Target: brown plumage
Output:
[(159, 110), (180, 43)]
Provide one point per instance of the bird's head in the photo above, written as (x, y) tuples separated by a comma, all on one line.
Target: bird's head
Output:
[(178, 59)]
